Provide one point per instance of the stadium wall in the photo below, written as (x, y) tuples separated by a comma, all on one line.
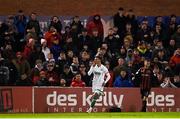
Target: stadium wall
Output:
[(55, 100), (89, 7)]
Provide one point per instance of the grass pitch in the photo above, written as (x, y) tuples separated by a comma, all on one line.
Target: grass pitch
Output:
[(95, 115)]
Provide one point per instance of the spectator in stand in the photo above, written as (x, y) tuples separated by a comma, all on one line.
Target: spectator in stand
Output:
[(162, 59), (8, 53), (96, 41), (115, 29), (175, 60), (112, 42), (69, 55), (171, 48), (143, 50), (67, 75), (68, 44), (159, 73), (128, 31), (23, 69), (177, 80), (167, 83), (117, 69), (74, 65), (159, 21), (171, 29), (119, 20), (52, 75), (8, 72), (44, 48), (62, 60), (111, 80), (84, 40), (127, 43), (36, 54), (55, 49), (129, 56), (131, 69), (62, 82), (35, 72), (29, 48), (95, 23), (143, 34), (52, 35), (43, 81), (122, 53), (56, 23), (20, 21), (67, 33), (76, 25), (4, 72), (159, 33), (8, 32), (158, 45), (131, 18), (123, 79), (33, 23), (176, 36), (84, 75), (31, 33), (77, 81), (85, 58), (104, 53)]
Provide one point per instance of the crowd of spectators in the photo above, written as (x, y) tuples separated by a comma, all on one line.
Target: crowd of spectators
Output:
[(29, 57)]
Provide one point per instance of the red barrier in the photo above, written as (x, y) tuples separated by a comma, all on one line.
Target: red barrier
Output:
[(78, 99), (16, 99), (55, 99), (164, 100)]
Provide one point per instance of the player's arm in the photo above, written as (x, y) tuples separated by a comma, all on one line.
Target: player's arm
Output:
[(154, 82), (107, 75), (91, 69), (136, 78)]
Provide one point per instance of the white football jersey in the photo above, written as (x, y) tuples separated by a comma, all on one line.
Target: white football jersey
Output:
[(99, 73)]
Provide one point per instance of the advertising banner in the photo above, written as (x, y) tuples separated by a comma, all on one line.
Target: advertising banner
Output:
[(55, 100), (16, 99), (128, 99)]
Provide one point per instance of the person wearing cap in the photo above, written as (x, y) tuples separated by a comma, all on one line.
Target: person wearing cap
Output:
[(100, 77)]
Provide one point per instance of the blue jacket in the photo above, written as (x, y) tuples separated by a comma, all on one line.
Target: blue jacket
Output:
[(120, 82)]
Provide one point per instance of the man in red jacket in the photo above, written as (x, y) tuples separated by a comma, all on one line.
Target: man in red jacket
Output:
[(77, 82)]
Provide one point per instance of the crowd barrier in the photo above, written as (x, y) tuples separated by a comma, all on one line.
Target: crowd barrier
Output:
[(56, 99)]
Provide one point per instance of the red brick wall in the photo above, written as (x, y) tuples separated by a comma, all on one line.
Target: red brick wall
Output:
[(89, 7)]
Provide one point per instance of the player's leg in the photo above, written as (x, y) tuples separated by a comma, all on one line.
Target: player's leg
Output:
[(96, 96), (144, 94)]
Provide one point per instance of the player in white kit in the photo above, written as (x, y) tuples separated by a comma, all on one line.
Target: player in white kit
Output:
[(100, 77)]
